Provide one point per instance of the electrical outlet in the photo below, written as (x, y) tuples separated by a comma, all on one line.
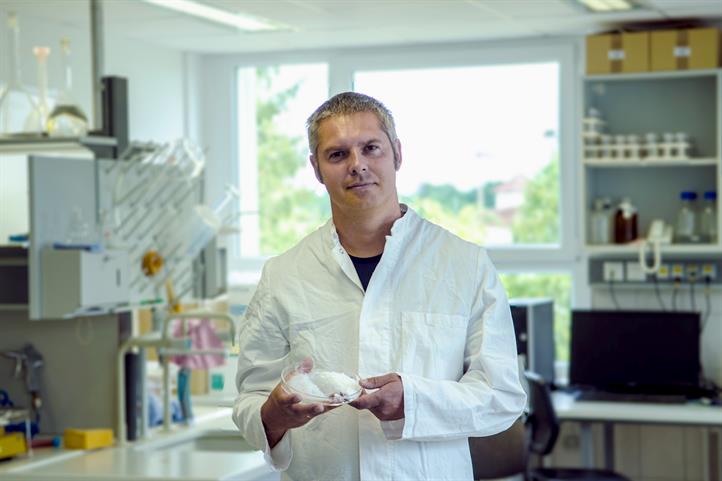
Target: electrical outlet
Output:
[(692, 272), (613, 271), (678, 271), (709, 271), (635, 272), (663, 272)]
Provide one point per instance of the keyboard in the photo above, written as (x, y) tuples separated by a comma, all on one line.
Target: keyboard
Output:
[(630, 397)]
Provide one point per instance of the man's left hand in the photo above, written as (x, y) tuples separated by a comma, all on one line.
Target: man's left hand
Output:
[(387, 403)]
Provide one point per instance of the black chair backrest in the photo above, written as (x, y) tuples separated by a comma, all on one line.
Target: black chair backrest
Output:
[(501, 455), (542, 417)]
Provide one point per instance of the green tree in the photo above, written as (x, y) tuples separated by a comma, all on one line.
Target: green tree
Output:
[(287, 212), (538, 222)]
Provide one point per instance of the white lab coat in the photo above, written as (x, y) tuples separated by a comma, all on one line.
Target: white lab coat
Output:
[(434, 312)]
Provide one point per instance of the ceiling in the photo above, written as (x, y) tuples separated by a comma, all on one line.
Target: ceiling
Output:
[(355, 23)]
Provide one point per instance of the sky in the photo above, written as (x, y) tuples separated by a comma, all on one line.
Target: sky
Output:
[(463, 126)]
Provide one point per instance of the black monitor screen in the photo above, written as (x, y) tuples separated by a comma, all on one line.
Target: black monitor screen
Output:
[(635, 350)]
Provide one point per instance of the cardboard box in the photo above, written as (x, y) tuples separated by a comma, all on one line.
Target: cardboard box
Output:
[(696, 48), (618, 53)]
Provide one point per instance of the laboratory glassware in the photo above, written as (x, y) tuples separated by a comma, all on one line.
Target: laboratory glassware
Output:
[(686, 228), (708, 218), (67, 119), (16, 102), (625, 222), (35, 121), (600, 221)]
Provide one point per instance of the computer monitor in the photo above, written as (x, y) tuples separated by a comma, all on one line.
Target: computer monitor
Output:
[(635, 351)]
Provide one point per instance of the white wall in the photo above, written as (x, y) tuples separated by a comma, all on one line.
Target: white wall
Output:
[(155, 87)]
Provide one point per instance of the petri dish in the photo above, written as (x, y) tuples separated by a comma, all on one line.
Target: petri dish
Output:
[(331, 388)]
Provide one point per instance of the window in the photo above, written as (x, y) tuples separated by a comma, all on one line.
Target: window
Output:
[(488, 150), (481, 158), (281, 201)]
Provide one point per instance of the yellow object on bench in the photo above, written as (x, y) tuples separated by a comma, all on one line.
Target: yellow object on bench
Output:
[(12, 444), (87, 438)]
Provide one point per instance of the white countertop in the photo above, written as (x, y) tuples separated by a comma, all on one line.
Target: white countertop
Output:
[(161, 457), (567, 408)]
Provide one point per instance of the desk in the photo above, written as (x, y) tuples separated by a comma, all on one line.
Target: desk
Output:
[(610, 413)]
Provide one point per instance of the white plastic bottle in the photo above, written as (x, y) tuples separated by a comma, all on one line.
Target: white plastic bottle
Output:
[(708, 218), (600, 222), (686, 228)]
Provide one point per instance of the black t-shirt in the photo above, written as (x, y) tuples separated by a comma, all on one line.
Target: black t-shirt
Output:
[(365, 267)]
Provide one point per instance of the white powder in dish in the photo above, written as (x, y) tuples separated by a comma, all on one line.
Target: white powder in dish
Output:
[(302, 382), (334, 385)]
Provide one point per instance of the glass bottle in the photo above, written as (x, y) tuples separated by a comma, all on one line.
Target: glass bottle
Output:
[(708, 218), (16, 102), (35, 121), (67, 119), (625, 222), (686, 228), (600, 222)]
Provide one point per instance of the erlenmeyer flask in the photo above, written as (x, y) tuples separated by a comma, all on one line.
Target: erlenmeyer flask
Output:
[(16, 103), (67, 119), (36, 120)]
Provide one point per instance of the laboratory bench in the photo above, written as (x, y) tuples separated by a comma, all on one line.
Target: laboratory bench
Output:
[(209, 449)]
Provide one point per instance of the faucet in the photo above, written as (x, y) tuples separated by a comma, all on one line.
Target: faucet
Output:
[(153, 339), (29, 360), (166, 346), (183, 317)]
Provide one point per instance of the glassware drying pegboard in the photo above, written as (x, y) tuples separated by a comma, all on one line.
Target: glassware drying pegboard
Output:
[(153, 210)]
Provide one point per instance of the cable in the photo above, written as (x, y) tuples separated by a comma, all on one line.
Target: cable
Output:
[(708, 302), (614, 296), (675, 288), (659, 294), (692, 300)]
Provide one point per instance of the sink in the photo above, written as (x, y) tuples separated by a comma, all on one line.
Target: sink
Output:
[(213, 441)]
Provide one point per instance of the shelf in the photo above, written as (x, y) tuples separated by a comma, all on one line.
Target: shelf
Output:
[(700, 162), (633, 249), (24, 144), (654, 75)]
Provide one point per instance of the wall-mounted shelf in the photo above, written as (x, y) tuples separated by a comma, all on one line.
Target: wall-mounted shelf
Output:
[(632, 164), (633, 249), (622, 77)]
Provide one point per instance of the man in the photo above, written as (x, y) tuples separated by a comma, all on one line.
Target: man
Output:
[(417, 312)]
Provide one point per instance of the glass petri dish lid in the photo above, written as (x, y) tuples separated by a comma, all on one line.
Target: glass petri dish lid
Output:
[(331, 388)]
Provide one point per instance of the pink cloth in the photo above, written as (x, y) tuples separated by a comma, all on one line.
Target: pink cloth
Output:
[(202, 337)]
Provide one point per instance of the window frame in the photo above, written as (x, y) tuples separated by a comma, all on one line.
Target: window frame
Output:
[(343, 63)]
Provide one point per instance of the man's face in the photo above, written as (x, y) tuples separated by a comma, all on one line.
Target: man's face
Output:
[(355, 161)]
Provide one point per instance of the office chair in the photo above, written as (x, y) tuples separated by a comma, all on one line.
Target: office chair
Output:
[(544, 430), (501, 455)]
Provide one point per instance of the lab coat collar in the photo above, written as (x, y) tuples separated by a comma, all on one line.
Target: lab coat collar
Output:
[(399, 229)]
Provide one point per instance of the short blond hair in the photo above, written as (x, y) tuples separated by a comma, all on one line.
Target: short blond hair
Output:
[(351, 103)]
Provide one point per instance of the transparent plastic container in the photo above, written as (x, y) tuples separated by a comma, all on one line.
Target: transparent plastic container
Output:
[(708, 218), (600, 222), (686, 227), (314, 387)]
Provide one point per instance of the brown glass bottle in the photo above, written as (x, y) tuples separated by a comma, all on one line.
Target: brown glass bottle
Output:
[(625, 223)]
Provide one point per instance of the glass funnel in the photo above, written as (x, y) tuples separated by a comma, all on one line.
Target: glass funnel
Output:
[(16, 102), (67, 119)]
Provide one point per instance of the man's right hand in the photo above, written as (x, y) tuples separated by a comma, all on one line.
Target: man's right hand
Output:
[(283, 411)]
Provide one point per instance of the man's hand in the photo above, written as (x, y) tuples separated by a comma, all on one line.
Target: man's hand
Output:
[(283, 411), (387, 403)]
